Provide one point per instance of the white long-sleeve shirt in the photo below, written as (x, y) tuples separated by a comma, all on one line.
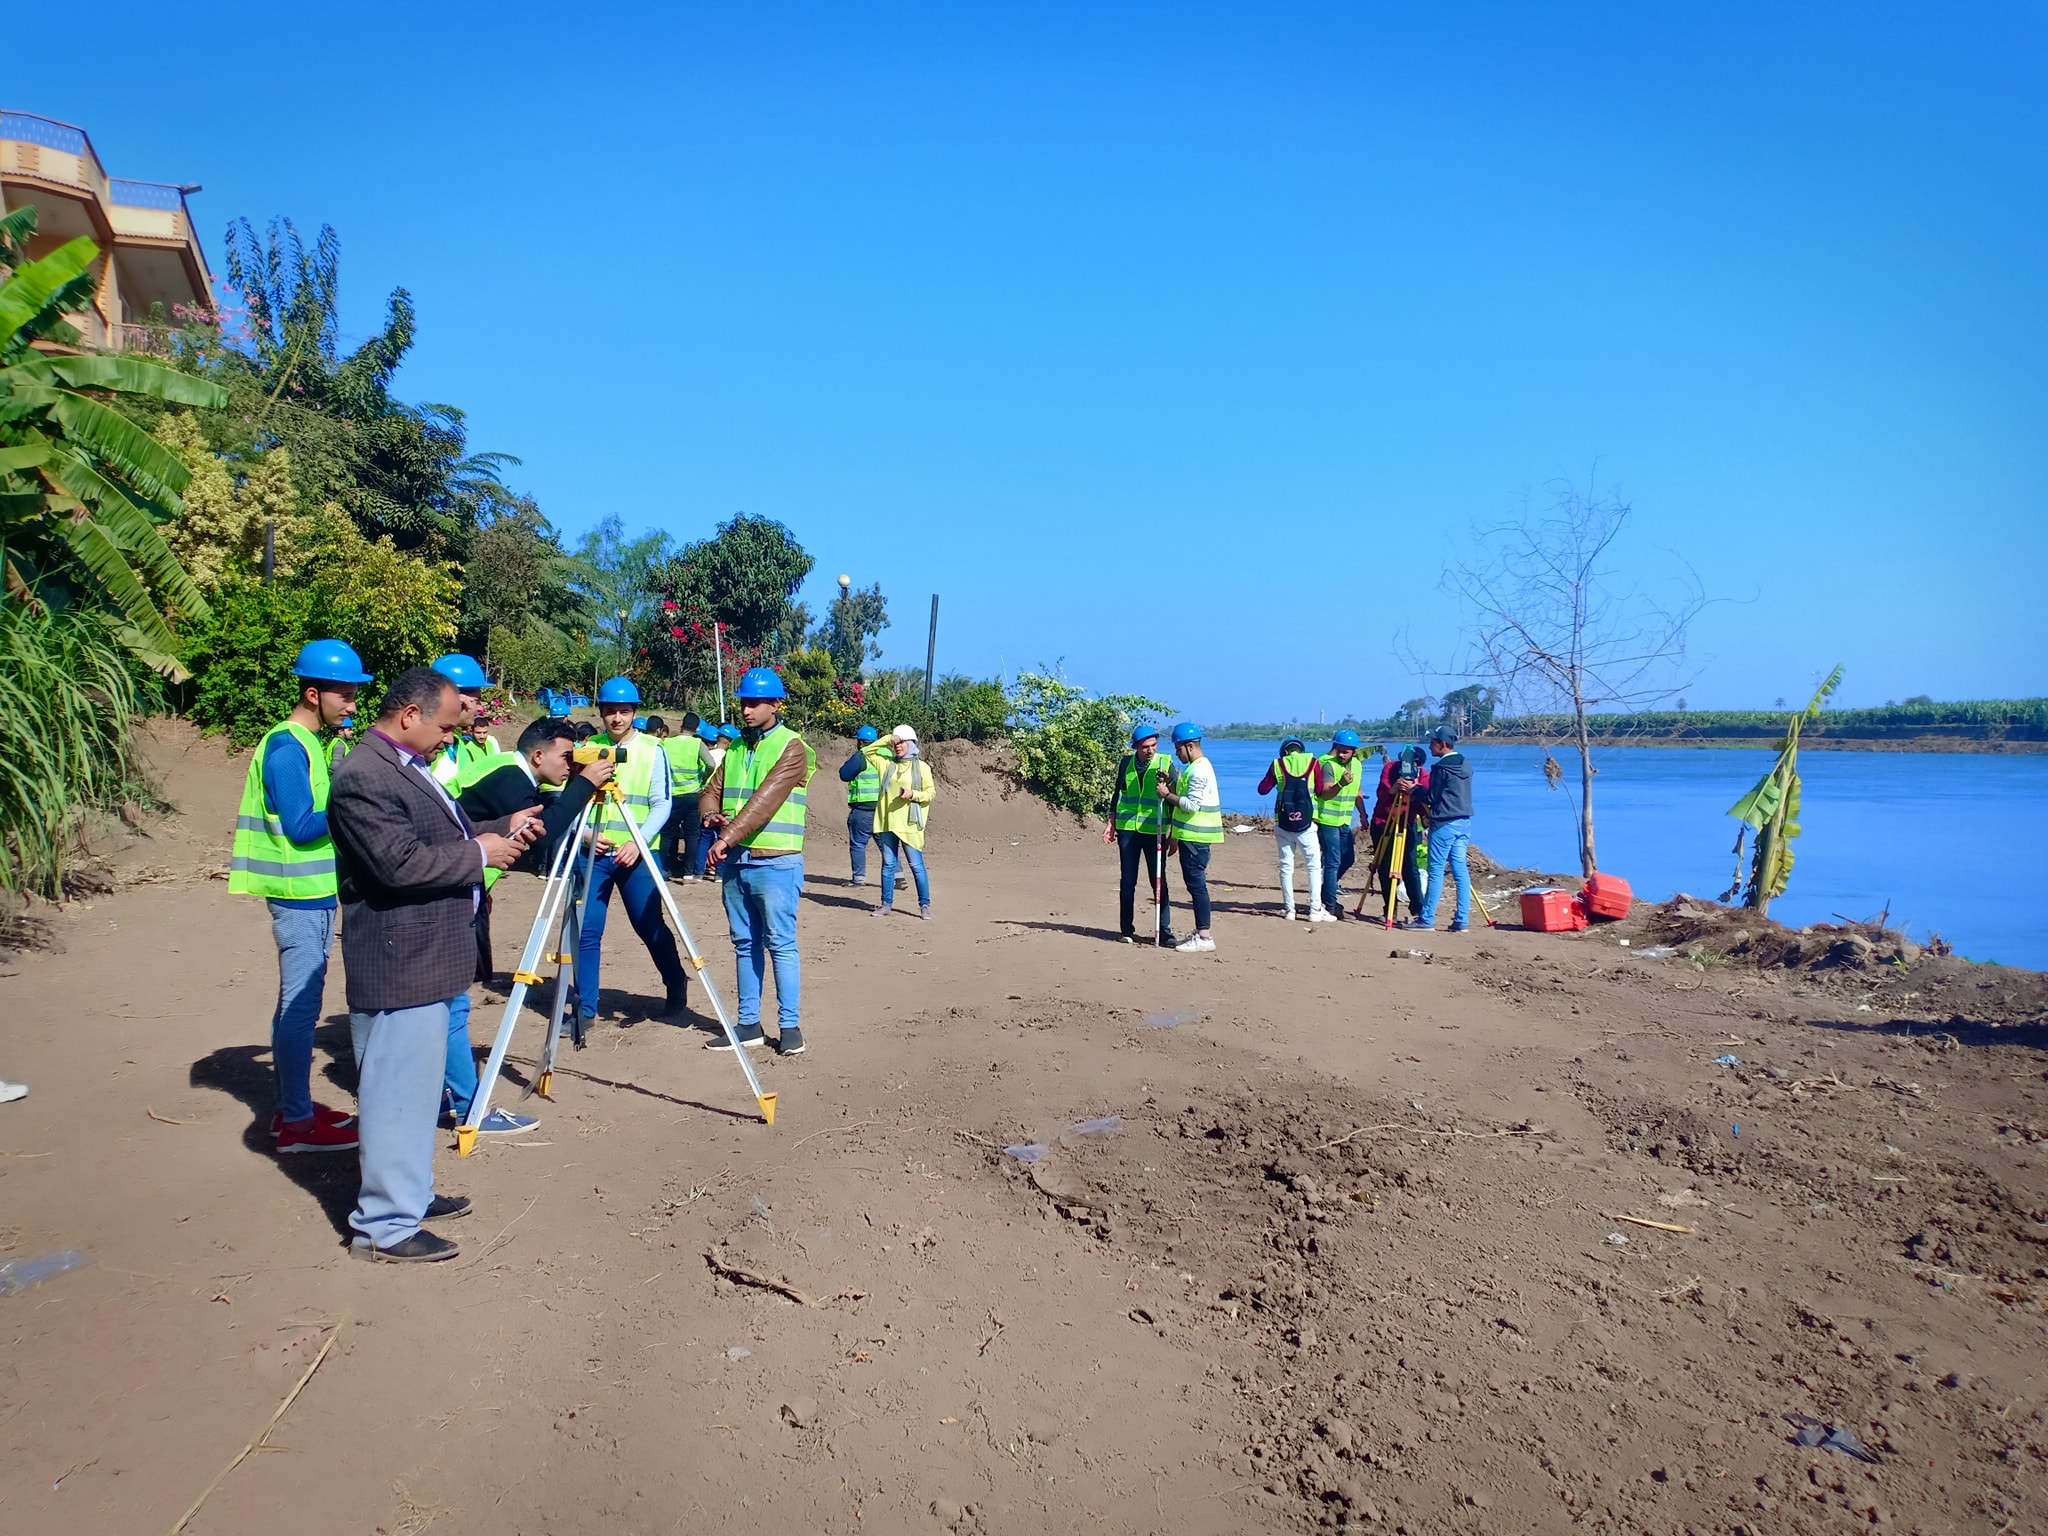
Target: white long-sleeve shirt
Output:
[(1201, 793)]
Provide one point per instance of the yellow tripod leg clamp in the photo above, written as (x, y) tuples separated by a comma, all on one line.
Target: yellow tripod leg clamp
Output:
[(544, 1085), (532, 979), (465, 1140)]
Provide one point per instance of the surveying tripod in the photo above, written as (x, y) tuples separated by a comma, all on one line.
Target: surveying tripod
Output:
[(558, 919)]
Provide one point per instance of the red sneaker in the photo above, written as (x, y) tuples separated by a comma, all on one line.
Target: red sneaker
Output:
[(319, 1136), (322, 1115)]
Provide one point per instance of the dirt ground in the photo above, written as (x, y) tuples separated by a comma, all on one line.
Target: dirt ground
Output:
[(1355, 1252)]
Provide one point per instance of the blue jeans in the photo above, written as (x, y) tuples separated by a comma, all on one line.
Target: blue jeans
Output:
[(860, 826), (891, 845), (1447, 843), (1340, 851), (700, 855), (1194, 874), (304, 937), (400, 1056), (636, 888), (760, 909), (458, 1080)]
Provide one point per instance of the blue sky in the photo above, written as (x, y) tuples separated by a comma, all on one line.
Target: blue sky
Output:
[(1185, 344)]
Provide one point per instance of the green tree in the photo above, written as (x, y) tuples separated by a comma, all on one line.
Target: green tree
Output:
[(1068, 744), (745, 576), (82, 488), (852, 624)]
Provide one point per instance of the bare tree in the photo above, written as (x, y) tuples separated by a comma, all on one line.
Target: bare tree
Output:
[(1553, 631)]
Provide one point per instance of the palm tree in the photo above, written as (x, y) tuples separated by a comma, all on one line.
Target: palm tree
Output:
[(82, 488)]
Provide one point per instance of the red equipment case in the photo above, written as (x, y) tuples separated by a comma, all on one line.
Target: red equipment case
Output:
[(1607, 896), (1551, 911)]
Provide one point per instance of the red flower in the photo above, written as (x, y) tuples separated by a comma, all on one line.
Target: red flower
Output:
[(668, 606), (676, 630)]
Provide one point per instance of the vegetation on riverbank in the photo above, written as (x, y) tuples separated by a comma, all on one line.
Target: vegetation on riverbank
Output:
[(1918, 725)]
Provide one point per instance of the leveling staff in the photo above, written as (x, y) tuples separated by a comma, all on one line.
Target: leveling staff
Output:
[(642, 779), (757, 799)]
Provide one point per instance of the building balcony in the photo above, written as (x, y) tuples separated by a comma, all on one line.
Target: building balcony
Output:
[(149, 251)]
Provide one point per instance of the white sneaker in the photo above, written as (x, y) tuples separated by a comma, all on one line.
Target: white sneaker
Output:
[(1195, 945), (9, 1092), (1322, 915), (1290, 914)]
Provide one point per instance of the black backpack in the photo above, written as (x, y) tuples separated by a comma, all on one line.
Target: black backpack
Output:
[(1294, 808)]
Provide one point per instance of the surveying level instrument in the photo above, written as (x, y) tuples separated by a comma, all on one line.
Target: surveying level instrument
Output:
[(558, 915), (586, 753)]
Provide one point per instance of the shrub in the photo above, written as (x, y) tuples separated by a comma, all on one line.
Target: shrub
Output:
[(67, 695), (1068, 745), (241, 658)]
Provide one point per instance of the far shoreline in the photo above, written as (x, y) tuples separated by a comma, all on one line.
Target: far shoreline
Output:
[(1807, 743)]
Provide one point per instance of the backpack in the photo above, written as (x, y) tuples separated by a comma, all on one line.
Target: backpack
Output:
[(1294, 808)]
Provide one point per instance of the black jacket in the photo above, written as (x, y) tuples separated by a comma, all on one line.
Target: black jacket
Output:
[(510, 788), (1450, 787)]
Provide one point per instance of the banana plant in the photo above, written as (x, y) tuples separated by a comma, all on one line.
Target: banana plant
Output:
[(82, 488), (1772, 809)]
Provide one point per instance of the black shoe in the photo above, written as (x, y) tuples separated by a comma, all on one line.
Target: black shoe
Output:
[(1169, 942), (790, 1043), (421, 1248), (1460, 927), (679, 998), (447, 1208), (719, 1042), (1127, 938)]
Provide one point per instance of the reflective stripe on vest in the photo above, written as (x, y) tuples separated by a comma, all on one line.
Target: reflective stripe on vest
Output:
[(746, 768), (265, 862), (685, 764), (865, 787), (1138, 805), (474, 773), (1336, 810), (635, 778), (1203, 826)]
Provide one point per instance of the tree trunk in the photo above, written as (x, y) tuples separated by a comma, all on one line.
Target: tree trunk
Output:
[(1587, 863)]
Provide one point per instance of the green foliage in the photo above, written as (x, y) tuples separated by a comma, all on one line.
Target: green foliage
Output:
[(1986, 719), (746, 577), (395, 608), (851, 626), (66, 699), (1772, 807), (535, 658), (1068, 744), (82, 487), (517, 578)]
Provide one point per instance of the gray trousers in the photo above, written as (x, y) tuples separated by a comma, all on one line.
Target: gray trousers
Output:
[(400, 1054)]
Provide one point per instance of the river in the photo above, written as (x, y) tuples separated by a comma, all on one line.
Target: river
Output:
[(1879, 829)]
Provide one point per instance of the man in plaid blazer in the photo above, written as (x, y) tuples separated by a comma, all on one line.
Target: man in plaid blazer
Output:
[(410, 867)]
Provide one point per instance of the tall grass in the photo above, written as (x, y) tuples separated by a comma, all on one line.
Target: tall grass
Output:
[(67, 700)]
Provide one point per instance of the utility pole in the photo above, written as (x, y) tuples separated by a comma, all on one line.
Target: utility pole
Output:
[(718, 655), (931, 649), (269, 551)]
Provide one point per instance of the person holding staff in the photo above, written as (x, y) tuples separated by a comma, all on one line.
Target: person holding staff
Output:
[(756, 802), (1197, 824), (410, 867), (1136, 818)]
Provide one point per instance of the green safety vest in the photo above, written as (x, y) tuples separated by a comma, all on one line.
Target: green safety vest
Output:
[(865, 787), (473, 773), (1336, 811), (1138, 805), (685, 764), (450, 764), (746, 767), (265, 862), (635, 778), (1203, 826)]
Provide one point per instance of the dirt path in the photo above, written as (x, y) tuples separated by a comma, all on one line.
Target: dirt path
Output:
[(1345, 1259)]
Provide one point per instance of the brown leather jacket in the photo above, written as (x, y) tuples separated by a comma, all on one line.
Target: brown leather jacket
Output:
[(785, 776)]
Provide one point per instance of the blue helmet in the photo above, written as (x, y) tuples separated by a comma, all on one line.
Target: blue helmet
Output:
[(329, 661), (729, 732), (462, 671), (1143, 732), (706, 731), (618, 690), (1187, 730), (639, 722), (1345, 738), (761, 683), (867, 733)]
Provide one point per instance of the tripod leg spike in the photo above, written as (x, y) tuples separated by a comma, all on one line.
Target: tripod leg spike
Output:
[(465, 1140), (767, 1102)]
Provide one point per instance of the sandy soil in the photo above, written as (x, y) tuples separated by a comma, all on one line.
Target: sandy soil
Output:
[(1351, 1255)]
